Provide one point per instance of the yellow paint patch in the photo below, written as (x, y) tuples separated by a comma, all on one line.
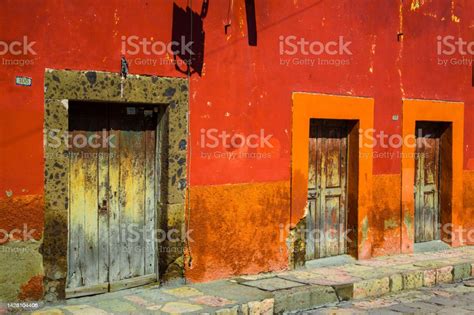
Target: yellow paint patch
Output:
[(180, 308), (416, 4)]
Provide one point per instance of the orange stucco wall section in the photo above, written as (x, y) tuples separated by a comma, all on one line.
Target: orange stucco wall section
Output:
[(237, 229), (307, 106), (426, 110)]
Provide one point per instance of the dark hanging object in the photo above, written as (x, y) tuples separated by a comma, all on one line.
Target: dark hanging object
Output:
[(251, 22), (123, 67)]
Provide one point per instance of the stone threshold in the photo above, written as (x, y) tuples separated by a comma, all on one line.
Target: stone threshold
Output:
[(316, 287)]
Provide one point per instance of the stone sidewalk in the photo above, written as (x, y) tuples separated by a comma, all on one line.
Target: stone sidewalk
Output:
[(286, 291), (452, 299)]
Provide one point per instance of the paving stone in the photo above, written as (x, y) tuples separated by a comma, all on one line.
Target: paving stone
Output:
[(332, 277), (48, 311), (402, 308), (303, 298), (338, 311), (383, 311), (180, 307), (425, 306), (213, 301), (370, 288), (272, 284), (429, 277), (85, 310), (412, 280), (396, 283), (469, 283), (461, 271), (444, 301), (183, 292), (344, 292), (375, 304), (454, 311), (228, 311), (444, 275), (139, 300), (265, 307)]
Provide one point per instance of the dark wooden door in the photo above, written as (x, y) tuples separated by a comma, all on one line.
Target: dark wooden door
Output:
[(427, 174), (112, 202), (327, 189)]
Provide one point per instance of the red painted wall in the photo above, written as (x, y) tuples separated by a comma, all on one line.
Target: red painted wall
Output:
[(243, 89)]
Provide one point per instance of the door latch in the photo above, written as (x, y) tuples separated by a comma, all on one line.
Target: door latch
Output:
[(103, 209)]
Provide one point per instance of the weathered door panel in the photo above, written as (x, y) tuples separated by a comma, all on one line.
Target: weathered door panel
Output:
[(86, 269), (113, 198), (427, 171), (327, 188)]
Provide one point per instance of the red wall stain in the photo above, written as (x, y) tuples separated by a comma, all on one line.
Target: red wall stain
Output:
[(21, 218), (32, 290)]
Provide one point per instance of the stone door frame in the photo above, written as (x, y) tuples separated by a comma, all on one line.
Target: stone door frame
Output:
[(61, 86)]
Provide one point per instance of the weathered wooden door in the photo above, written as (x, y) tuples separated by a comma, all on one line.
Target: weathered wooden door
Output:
[(327, 189), (427, 171), (112, 203)]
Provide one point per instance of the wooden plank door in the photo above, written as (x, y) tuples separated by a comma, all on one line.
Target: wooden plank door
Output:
[(133, 258), (427, 171), (112, 198), (87, 259), (327, 189)]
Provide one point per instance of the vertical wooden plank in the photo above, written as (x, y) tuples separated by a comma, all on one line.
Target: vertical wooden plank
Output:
[(150, 201), (312, 236), (437, 205), (132, 193), (138, 143), (76, 220), (90, 167), (83, 237), (103, 194), (343, 199), (115, 244), (320, 179), (126, 194)]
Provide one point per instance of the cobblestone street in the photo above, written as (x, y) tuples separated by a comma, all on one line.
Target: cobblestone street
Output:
[(454, 299)]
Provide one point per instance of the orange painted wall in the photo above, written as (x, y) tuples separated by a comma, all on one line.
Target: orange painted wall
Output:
[(238, 229), (242, 89)]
